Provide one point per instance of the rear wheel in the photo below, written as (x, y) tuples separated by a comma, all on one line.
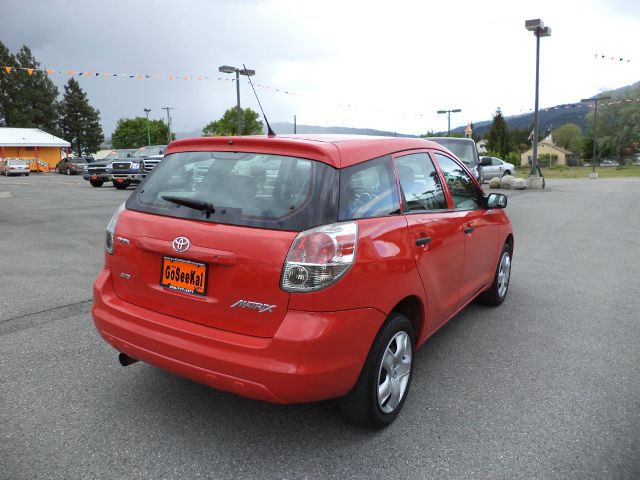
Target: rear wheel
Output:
[(506, 172), (384, 382), (96, 183), (498, 291)]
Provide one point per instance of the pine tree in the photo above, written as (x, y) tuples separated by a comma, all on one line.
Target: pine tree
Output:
[(79, 121), (498, 138), (34, 100)]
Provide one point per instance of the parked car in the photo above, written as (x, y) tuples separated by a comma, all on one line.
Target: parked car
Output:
[(494, 167), (100, 172), (72, 165), (14, 166), (130, 171), (466, 150), (300, 268)]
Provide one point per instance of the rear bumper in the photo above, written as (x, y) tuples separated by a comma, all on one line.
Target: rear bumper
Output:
[(312, 356)]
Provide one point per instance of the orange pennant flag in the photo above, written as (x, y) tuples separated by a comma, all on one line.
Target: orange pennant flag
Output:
[(106, 75), (51, 72), (8, 69), (30, 71), (170, 77), (70, 73), (139, 77), (87, 74)]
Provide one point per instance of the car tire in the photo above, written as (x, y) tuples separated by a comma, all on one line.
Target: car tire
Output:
[(120, 186), (96, 183), (500, 285), (56, 170), (506, 172), (382, 388)]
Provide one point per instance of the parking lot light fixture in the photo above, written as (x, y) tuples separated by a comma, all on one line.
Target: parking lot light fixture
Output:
[(539, 30), (595, 101), (147, 111), (238, 72), (449, 112)]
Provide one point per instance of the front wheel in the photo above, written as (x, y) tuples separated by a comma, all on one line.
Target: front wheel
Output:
[(96, 183), (120, 185), (498, 291), (381, 390)]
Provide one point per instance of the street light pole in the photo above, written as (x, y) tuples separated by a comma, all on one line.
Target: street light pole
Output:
[(238, 72), (595, 126), (147, 111), (539, 30), (449, 112)]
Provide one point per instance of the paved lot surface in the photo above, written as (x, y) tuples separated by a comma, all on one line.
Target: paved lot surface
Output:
[(546, 386)]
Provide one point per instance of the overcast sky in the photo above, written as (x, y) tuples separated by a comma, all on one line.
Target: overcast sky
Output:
[(369, 64)]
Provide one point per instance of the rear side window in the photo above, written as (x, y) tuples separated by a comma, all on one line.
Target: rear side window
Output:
[(368, 190), (420, 183), (246, 189), (465, 194)]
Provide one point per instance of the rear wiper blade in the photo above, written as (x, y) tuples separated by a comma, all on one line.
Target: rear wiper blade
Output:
[(191, 203)]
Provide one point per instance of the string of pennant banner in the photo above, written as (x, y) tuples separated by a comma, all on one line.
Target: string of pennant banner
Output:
[(600, 56), (145, 76)]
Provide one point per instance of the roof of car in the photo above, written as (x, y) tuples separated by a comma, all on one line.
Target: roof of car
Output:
[(337, 150)]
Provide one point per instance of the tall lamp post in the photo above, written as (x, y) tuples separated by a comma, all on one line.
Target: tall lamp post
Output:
[(238, 72), (539, 30), (449, 112), (147, 111), (595, 101)]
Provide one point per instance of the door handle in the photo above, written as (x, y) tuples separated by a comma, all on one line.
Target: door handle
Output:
[(469, 230), (422, 241)]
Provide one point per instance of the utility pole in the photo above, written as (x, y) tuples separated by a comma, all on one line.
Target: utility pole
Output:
[(295, 128), (168, 121), (449, 112), (595, 100)]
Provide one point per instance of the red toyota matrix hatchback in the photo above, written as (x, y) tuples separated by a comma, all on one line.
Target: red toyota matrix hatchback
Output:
[(296, 269)]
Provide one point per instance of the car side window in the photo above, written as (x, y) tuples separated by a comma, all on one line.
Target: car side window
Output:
[(420, 183), (368, 190), (464, 192), (495, 162)]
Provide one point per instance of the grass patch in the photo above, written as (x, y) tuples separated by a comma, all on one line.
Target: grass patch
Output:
[(583, 172)]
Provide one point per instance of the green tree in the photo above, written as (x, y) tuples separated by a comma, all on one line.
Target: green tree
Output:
[(132, 133), (7, 87), (79, 122), (569, 136), (520, 139), (34, 101), (498, 138), (228, 124), (618, 129)]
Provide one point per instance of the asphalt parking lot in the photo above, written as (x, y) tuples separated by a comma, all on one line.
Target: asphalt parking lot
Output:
[(545, 386)]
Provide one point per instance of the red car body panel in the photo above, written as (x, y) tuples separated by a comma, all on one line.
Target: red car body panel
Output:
[(311, 346)]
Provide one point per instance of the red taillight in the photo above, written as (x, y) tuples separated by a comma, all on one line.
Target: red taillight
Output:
[(319, 257)]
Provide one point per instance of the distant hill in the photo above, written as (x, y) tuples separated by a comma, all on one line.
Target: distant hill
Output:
[(285, 128), (553, 117)]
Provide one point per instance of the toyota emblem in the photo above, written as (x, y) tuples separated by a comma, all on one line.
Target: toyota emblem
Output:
[(181, 244)]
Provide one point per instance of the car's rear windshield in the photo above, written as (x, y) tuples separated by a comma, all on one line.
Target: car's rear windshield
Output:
[(248, 189), (461, 149), (17, 162)]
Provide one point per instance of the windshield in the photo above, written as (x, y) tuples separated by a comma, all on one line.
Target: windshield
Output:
[(148, 151), (248, 189), (461, 149)]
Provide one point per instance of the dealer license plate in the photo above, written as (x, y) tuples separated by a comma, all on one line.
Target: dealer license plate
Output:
[(184, 275)]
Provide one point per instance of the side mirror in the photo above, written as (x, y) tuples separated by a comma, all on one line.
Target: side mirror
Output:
[(496, 200), (485, 161)]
